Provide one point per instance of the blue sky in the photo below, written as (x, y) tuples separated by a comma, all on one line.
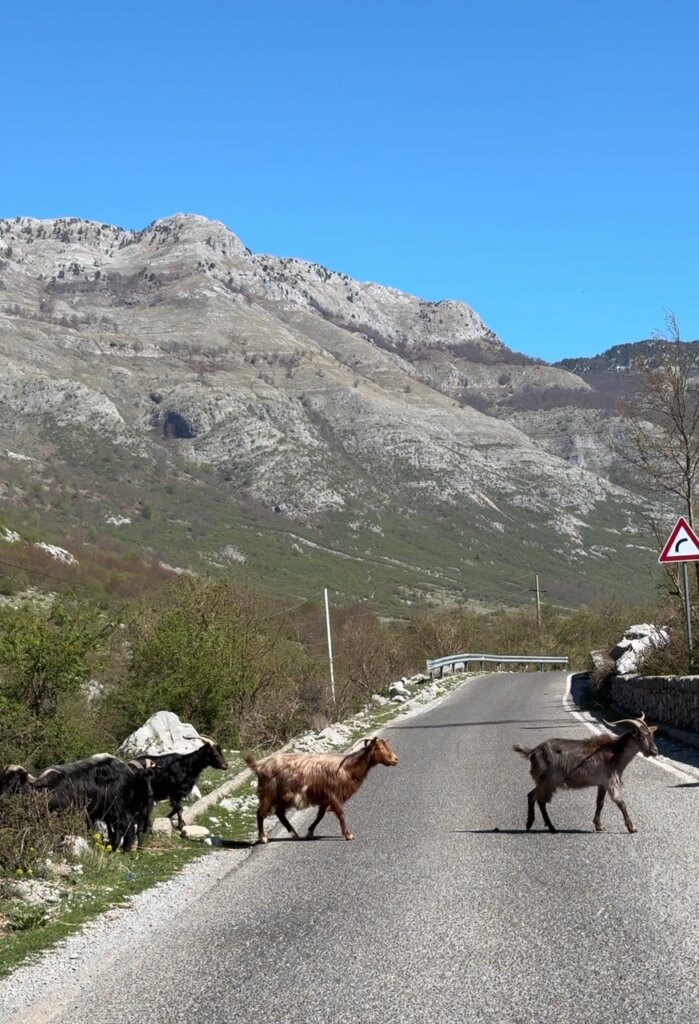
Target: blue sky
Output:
[(537, 160)]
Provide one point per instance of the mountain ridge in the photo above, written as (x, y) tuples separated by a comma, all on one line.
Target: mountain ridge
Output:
[(277, 386)]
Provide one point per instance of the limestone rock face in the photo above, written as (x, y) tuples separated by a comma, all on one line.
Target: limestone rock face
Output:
[(146, 371)]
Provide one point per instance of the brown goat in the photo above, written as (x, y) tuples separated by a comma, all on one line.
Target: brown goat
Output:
[(575, 764), (314, 780)]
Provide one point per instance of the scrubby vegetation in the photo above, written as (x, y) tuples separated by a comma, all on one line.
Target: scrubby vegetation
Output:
[(76, 677)]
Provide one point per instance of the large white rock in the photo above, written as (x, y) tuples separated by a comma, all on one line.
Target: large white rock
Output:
[(398, 689), (163, 733), (637, 643)]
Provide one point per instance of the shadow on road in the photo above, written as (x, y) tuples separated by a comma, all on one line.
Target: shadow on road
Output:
[(239, 845), (522, 831), (526, 723)]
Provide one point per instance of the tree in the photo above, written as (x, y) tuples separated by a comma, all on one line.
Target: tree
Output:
[(207, 653), (662, 427)]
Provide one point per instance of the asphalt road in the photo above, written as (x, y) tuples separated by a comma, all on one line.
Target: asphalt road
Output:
[(444, 908)]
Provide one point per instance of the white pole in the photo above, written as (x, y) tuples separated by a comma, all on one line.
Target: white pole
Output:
[(330, 644)]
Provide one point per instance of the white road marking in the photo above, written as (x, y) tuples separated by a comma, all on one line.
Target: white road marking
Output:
[(684, 772)]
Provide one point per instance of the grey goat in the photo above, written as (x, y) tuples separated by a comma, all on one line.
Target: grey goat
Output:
[(575, 764)]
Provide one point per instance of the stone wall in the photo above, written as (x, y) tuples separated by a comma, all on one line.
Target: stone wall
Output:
[(670, 700)]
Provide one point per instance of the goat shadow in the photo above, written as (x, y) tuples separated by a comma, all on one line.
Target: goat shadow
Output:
[(526, 723), (238, 845), (521, 831)]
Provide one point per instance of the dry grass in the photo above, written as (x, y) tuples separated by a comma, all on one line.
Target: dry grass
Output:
[(29, 832)]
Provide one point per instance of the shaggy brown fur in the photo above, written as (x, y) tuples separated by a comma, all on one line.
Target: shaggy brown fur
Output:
[(314, 780)]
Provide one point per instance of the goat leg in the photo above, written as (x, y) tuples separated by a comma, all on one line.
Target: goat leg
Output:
[(614, 791), (261, 834), (319, 817), (337, 809), (531, 799), (597, 820), (281, 814), (263, 809), (544, 814), (177, 809)]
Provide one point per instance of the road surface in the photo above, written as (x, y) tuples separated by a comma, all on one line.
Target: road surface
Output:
[(444, 908)]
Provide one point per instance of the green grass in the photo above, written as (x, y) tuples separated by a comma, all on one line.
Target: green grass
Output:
[(107, 880)]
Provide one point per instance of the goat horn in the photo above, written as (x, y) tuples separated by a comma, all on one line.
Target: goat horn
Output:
[(622, 721), (207, 739)]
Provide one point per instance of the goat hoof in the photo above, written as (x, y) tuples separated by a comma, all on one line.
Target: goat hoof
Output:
[(310, 835), (632, 828), (348, 836), (263, 840), (600, 828)]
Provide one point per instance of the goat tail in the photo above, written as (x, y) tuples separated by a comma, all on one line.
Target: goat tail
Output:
[(524, 751), (251, 763)]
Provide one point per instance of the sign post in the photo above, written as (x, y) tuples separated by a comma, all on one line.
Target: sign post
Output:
[(683, 546)]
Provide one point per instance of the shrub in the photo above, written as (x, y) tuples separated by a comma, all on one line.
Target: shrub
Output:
[(29, 832)]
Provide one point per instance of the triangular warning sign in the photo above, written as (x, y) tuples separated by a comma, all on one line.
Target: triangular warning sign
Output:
[(682, 544)]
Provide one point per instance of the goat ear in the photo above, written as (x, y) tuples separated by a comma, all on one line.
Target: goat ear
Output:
[(652, 728)]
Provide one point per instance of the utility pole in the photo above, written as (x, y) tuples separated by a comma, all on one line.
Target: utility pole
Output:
[(330, 644), (538, 592)]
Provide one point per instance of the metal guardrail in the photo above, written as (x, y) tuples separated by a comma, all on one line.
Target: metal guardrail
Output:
[(439, 664)]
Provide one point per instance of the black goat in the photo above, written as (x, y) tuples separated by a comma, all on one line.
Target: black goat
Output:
[(575, 764), (176, 774), (106, 789), (14, 779)]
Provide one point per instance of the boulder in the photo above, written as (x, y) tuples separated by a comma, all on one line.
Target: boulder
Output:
[(378, 701), (398, 689), (163, 733), (634, 647), (161, 827), (195, 832)]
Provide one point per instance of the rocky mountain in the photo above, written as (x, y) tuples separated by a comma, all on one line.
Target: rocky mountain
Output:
[(228, 409)]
